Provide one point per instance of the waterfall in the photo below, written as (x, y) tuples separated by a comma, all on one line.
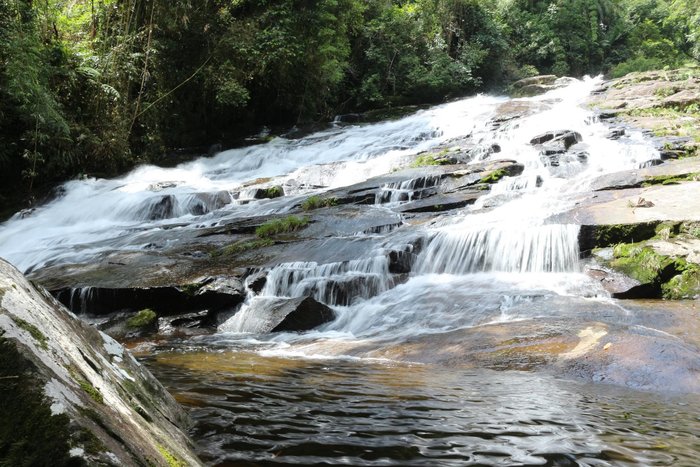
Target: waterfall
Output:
[(546, 248), (334, 284), (470, 265)]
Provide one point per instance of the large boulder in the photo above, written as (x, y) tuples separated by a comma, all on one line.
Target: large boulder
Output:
[(72, 395)]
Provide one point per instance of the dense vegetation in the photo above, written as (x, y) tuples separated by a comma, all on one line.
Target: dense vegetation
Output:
[(93, 87)]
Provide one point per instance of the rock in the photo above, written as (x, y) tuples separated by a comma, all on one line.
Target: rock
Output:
[(565, 138), (682, 99), (186, 321), (349, 118), (267, 314), (605, 235), (221, 292), (159, 208), (256, 282), (401, 262), (213, 294), (441, 203), (160, 186), (616, 133), (73, 395), (300, 314), (621, 286)]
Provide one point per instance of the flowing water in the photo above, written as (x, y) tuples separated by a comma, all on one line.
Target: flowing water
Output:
[(404, 375)]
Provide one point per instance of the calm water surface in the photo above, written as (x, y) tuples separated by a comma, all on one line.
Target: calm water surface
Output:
[(250, 409)]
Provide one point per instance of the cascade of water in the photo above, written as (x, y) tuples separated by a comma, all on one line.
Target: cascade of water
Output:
[(546, 248), (334, 283), (406, 190)]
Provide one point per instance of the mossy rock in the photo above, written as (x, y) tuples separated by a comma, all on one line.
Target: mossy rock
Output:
[(142, 319), (600, 236), (493, 177), (685, 285), (642, 263)]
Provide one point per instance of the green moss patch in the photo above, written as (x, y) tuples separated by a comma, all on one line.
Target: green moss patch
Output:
[(34, 331), (685, 285), (170, 458), (91, 391), (142, 319), (190, 289), (610, 235), (494, 176), (642, 263), (273, 192)]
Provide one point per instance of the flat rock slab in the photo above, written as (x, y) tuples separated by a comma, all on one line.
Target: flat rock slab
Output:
[(635, 178), (670, 203)]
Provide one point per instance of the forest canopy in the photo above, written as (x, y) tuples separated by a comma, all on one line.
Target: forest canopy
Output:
[(94, 87)]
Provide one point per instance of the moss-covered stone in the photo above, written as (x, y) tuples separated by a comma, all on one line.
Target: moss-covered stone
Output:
[(190, 289), (685, 285), (666, 230), (273, 192), (600, 236), (642, 263), (142, 319), (494, 176)]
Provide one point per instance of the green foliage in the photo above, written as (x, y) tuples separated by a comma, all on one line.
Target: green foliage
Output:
[(142, 319), (279, 226), (316, 202)]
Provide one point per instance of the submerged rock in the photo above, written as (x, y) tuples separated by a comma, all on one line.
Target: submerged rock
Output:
[(72, 395)]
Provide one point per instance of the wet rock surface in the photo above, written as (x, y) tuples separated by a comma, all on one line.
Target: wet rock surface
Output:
[(72, 395)]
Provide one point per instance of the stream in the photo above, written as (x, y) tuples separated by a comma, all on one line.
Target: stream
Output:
[(481, 355)]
